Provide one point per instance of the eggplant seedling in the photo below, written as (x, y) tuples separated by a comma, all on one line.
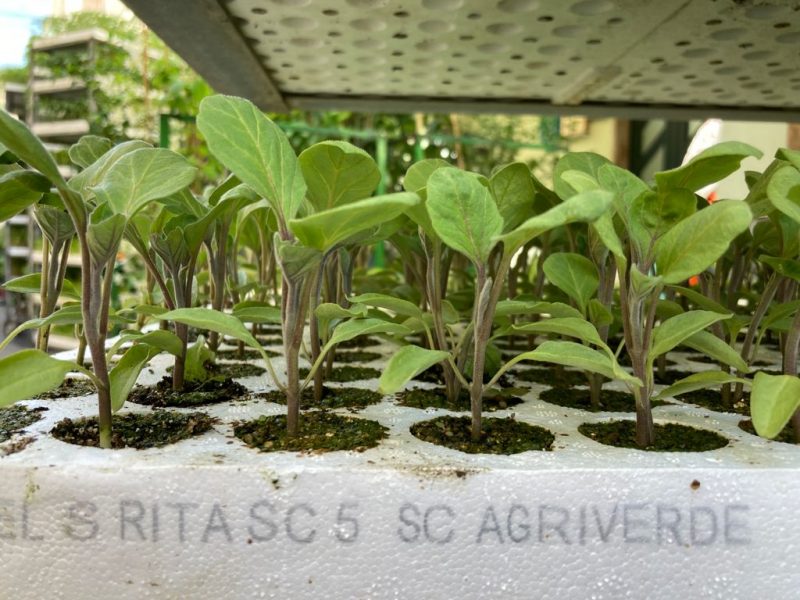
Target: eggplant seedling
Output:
[(101, 200)]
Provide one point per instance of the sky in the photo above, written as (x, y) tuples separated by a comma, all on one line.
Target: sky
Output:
[(18, 20)]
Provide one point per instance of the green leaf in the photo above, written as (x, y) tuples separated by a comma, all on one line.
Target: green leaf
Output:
[(675, 330), (571, 327), (416, 178), (296, 259), (396, 305), (255, 149), (197, 355), (699, 381), (599, 314), (709, 166), (463, 213), (68, 315), (710, 345), (701, 300), (656, 212), (257, 314), (18, 190), (31, 284), (94, 173), (207, 319), (693, 244), (88, 149), (55, 223), (626, 186), (583, 207), (783, 266), (356, 327), (338, 173), (30, 372), (773, 401), (507, 308), (604, 228), (104, 236), (585, 162), (573, 274), (17, 138), (783, 191), (323, 230), (142, 176), (572, 354), (579, 181), (328, 312), (514, 191), (406, 363), (123, 376)]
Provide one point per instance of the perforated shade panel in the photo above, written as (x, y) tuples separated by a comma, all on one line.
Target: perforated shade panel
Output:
[(633, 58)]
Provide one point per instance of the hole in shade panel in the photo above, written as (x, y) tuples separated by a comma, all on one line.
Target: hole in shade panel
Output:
[(782, 72), (295, 3), (517, 6), (436, 27), (592, 7), (681, 43), (545, 19), (443, 4), (258, 11), (368, 3), (614, 21), (473, 16), (728, 34), (561, 73), (397, 53), (698, 52), (727, 70), (369, 25), (712, 22), (337, 51), (656, 60), (530, 40), (401, 14), (743, 78), (746, 45), (716, 61), (782, 25), (504, 28), (757, 55), (269, 32), (466, 38), (575, 59), (594, 42), (334, 34), (516, 57), (330, 12), (400, 36)]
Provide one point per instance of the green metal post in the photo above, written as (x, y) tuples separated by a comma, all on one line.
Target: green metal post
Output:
[(382, 158), (164, 131)]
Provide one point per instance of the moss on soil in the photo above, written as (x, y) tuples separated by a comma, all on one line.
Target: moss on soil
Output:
[(248, 354), (355, 356), (348, 374), (360, 342), (345, 397), (72, 387), (786, 435), (552, 377), (435, 374), (136, 430), (436, 398), (499, 436), (669, 437), (712, 400), (235, 370), (14, 419), (212, 391), (610, 400), (319, 432)]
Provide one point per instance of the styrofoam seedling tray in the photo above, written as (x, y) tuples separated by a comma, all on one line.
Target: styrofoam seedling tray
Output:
[(209, 517)]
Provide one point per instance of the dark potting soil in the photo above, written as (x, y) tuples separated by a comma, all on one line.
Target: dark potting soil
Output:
[(610, 400), (355, 356), (348, 374), (270, 340), (436, 398), (553, 377), (14, 419), (435, 374), (319, 431), (235, 370), (499, 436), (786, 435), (362, 341), (669, 437), (136, 430), (712, 400), (247, 354), (766, 363), (670, 376), (72, 387), (624, 359), (347, 397), (212, 391)]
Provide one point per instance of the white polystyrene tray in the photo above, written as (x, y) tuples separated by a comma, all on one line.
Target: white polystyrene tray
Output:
[(209, 517)]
